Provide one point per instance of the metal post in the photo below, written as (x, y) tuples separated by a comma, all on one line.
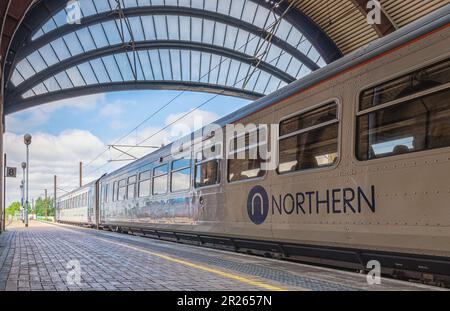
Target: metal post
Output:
[(26, 185), (22, 190), (81, 174), (46, 205), (27, 141), (54, 197), (3, 218)]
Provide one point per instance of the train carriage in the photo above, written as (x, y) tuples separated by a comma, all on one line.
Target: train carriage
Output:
[(363, 150), (78, 206)]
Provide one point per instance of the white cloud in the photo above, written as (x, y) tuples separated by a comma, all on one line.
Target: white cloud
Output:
[(49, 155), (39, 115), (112, 109)]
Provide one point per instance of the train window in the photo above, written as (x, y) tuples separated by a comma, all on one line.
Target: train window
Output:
[(206, 173), (411, 120), (160, 175), (121, 191), (160, 170), (131, 188), (114, 198), (110, 193), (144, 184), (181, 175), (418, 81), (309, 140), (245, 162), (105, 193)]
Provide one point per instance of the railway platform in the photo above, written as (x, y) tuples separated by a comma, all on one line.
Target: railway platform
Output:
[(49, 257)]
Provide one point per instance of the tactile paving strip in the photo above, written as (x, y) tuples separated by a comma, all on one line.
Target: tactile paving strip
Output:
[(246, 268)]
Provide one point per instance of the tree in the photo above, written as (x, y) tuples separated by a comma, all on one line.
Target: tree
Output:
[(41, 204), (13, 208)]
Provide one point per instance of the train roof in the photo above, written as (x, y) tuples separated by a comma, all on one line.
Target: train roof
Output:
[(416, 29), (88, 185)]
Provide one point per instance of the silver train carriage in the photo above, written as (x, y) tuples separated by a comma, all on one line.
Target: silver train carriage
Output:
[(78, 206), (363, 174)]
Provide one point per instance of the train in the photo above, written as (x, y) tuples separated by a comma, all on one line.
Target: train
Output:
[(362, 175)]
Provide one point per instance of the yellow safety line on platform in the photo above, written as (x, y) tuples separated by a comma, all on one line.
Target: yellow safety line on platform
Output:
[(201, 267)]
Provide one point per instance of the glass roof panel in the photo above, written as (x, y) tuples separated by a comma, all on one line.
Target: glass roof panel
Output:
[(160, 27), (208, 31), (99, 36), (86, 39), (249, 13), (167, 67), (39, 89), (60, 18), (198, 4), (100, 70), (185, 28), (186, 67), (49, 26), (87, 7), (112, 32), (205, 60), (87, 73), (73, 44), (237, 7), (28, 94), (136, 27), (60, 49), (112, 68), (261, 17), (149, 28), (211, 5), (125, 67), (64, 80), (196, 23), (157, 67), (102, 6), (16, 78), (172, 22), (52, 85), (146, 65), (176, 64), (75, 76), (37, 61), (25, 69), (223, 7)]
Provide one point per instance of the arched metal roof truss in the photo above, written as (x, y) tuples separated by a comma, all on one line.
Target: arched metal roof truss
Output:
[(245, 48)]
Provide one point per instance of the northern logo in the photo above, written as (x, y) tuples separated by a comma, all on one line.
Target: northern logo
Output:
[(257, 205)]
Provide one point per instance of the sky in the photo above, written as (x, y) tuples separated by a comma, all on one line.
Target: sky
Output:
[(79, 129)]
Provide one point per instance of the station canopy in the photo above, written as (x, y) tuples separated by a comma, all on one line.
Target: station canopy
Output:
[(245, 48)]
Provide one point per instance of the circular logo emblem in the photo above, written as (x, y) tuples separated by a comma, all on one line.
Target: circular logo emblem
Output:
[(258, 205)]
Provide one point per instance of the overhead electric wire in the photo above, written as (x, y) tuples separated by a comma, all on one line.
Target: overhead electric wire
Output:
[(178, 119), (187, 89)]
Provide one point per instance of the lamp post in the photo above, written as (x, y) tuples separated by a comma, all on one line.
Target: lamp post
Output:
[(27, 141), (22, 191)]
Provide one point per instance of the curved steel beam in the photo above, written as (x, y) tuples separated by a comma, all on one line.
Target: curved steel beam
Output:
[(163, 10), (40, 13), (148, 45), (16, 104)]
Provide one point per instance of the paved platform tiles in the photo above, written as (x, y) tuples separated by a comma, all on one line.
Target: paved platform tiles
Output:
[(36, 258)]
